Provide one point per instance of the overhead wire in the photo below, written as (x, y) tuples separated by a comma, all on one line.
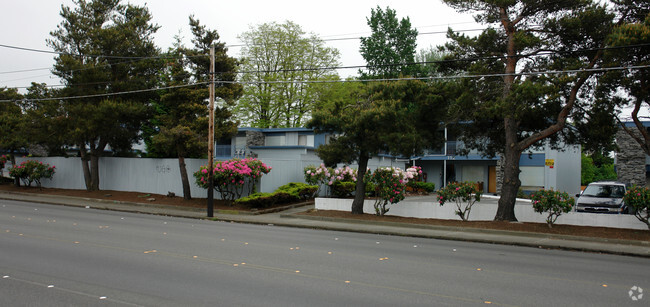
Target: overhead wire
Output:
[(603, 69)]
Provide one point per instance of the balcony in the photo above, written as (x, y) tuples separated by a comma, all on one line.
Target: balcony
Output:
[(452, 150)]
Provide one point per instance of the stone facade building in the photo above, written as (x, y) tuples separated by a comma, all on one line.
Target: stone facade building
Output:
[(630, 160)]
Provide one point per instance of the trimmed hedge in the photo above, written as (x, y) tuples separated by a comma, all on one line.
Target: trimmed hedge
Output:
[(343, 188), (420, 187), (288, 193), (299, 189)]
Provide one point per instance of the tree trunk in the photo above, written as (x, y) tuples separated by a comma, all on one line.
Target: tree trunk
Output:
[(187, 194), (94, 172), (85, 167), (511, 182), (360, 192)]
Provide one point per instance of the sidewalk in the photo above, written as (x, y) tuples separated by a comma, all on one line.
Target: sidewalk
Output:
[(289, 218)]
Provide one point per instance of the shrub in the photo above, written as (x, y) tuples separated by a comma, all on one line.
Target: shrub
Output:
[(232, 176), (464, 194), (638, 200), (32, 171), (420, 187), (257, 200), (266, 200), (343, 188), (317, 176), (299, 190), (342, 181), (553, 202), (3, 161), (389, 186)]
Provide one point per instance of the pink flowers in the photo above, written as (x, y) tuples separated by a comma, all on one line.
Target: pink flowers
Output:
[(230, 177)]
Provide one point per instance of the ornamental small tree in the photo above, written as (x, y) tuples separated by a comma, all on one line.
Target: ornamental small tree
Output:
[(464, 194), (32, 171), (553, 202), (390, 187), (638, 199)]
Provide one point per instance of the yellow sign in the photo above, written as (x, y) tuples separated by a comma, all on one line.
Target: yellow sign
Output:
[(550, 162)]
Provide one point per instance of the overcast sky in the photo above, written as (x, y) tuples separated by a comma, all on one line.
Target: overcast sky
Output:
[(27, 23)]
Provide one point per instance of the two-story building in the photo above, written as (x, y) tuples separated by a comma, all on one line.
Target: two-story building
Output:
[(290, 150)]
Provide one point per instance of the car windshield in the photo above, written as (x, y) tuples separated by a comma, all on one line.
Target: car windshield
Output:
[(605, 191)]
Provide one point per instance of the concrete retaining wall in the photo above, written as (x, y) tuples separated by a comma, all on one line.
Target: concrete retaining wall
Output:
[(426, 207)]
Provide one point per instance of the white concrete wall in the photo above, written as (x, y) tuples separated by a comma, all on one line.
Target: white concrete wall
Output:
[(484, 211), (158, 176)]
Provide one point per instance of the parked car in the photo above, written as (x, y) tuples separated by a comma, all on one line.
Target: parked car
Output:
[(602, 197)]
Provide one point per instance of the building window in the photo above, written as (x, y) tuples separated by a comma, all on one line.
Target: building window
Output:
[(275, 140), (306, 140)]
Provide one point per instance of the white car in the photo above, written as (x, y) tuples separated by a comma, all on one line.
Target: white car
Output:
[(602, 197)]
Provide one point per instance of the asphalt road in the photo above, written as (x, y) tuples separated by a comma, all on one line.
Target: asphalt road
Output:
[(62, 256)]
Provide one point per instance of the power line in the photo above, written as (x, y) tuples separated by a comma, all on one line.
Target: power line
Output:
[(201, 55), (351, 66), (553, 72), (113, 94)]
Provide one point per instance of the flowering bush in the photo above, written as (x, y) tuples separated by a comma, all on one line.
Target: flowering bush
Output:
[(32, 171), (553, 202), (342, 181), (417, 173), (390, 186), (638, 200), (317, 176), (3, 160), (232, 176), (464, 194)]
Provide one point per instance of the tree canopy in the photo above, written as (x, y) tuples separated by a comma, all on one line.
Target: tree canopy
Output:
[(629, 46), (390, 50), (398, 118), (276, 59), (180, 123), (104, 47), (512, 102)]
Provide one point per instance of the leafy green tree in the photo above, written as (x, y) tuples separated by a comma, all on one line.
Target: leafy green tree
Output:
[(430, 58), (11, 118), (181, 119), (390, 48), (104, 47), (587, 169), (276, 58), (400, 118), (12, 123), (46, 120), (512, 105)]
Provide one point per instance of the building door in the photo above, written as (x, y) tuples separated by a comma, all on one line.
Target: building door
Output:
[(492, 179)]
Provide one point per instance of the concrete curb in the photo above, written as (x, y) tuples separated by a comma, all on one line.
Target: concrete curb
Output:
[(476, 230)]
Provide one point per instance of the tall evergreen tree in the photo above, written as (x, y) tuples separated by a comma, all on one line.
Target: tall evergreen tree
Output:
[(104, 47), (181, 119), (515, 110)]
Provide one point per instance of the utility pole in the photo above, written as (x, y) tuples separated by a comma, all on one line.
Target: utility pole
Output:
[(211, 139)]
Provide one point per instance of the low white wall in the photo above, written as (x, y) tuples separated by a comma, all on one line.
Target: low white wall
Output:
[(484, 211)]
